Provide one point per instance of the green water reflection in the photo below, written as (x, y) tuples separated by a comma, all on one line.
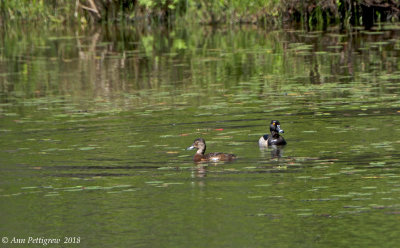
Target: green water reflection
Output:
[(94, 128)]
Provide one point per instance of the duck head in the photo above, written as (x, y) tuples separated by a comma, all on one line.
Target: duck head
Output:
[(199, 144), (275, 127)]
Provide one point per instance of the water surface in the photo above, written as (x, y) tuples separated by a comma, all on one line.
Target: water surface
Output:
[(94, 128)]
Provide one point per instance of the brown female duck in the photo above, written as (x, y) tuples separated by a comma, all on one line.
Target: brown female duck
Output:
[(200, 145)]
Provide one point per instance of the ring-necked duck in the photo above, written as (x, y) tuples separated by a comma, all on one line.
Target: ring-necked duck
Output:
[(273, 139), (200, 145)]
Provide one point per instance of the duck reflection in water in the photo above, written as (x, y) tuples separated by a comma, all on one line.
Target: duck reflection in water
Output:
[(274, 151)]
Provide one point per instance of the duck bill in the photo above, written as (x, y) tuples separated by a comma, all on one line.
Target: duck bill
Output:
[(191, 148), (278, 128)]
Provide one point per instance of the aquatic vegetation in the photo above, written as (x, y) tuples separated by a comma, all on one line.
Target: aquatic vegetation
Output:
[(310, 13)]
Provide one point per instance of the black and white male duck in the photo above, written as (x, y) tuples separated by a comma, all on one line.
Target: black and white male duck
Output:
[(274, 138), (200, 145)]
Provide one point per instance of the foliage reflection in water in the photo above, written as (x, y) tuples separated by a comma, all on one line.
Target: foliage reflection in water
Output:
[(94, 126)]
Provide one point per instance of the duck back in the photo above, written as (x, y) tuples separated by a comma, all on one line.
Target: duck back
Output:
[(214, 157)]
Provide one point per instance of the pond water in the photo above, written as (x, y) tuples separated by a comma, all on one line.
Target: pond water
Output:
[(94, 127)]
